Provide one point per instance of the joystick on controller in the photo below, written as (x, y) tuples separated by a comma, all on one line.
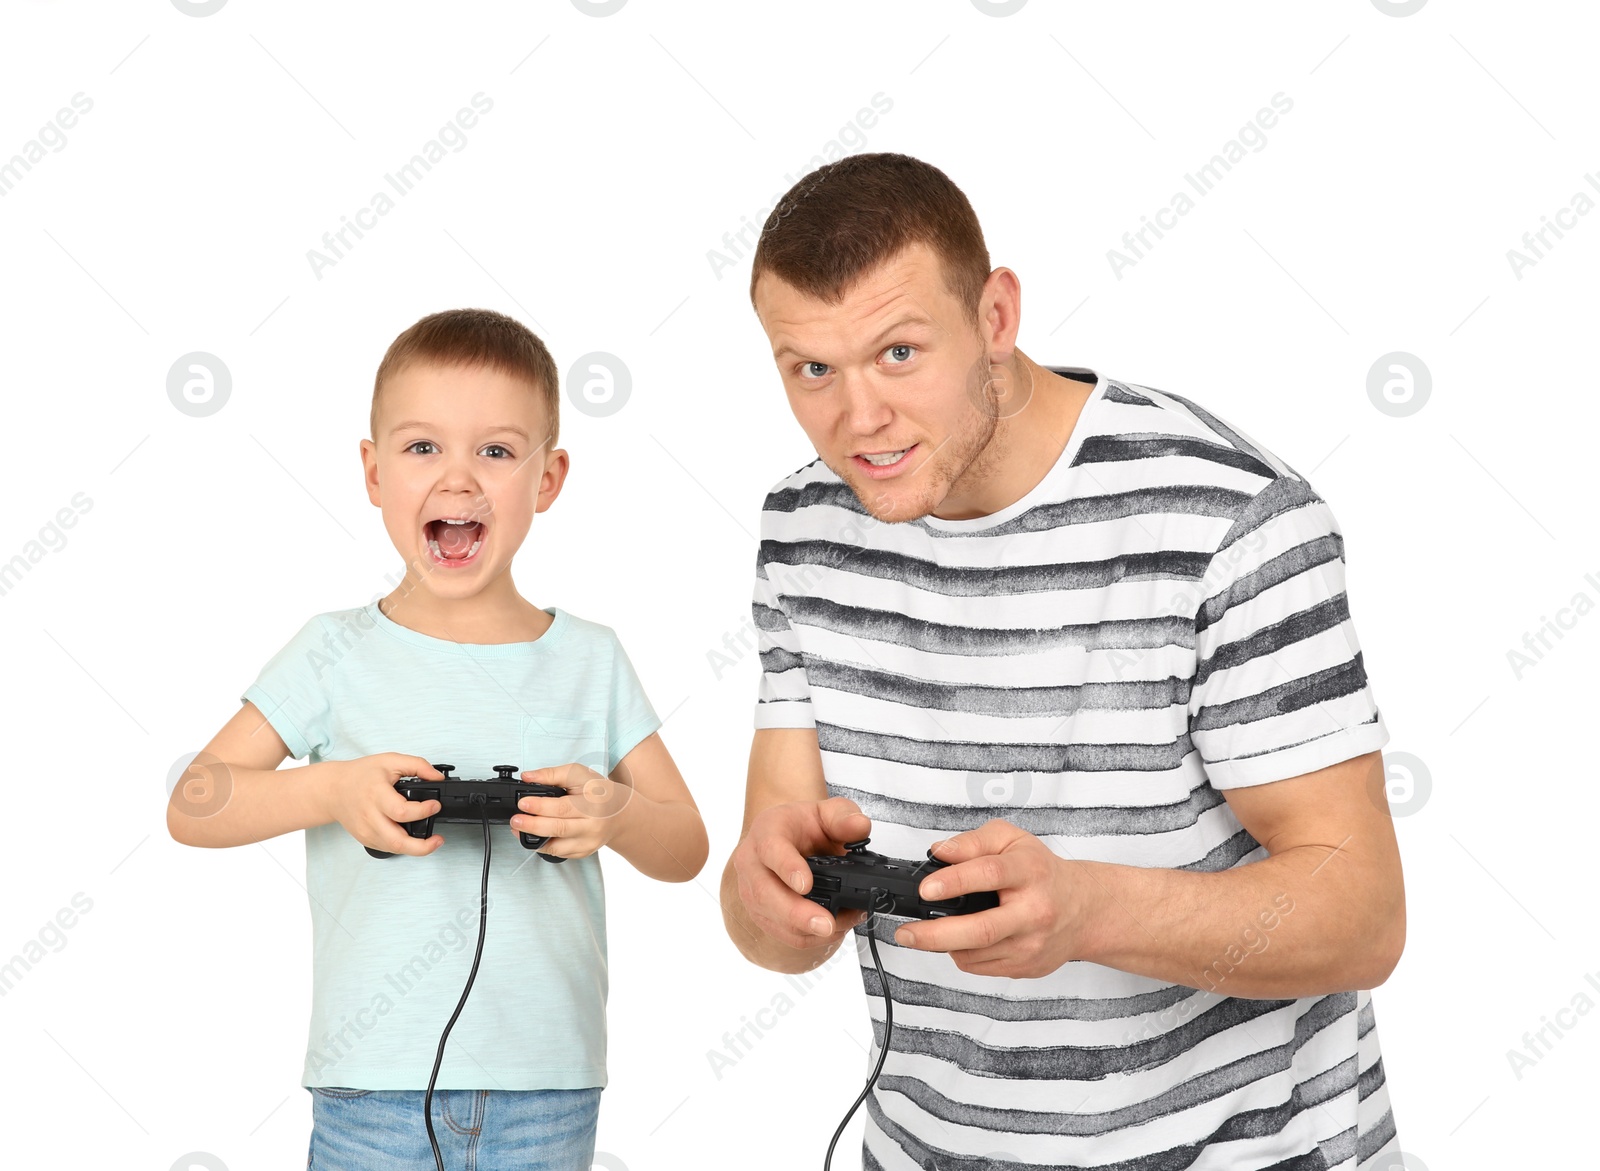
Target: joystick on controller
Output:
[(471, 801), (863, 880)]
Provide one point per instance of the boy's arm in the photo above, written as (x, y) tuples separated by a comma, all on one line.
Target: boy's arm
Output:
[(661, 832), (232, 793)]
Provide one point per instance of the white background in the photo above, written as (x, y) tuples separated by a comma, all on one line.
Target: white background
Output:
[(620, 149)]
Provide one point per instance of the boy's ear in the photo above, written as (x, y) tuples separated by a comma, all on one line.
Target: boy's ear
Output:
[(554, 476), (369, 468)]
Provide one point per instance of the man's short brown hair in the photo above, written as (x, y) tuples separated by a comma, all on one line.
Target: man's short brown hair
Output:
[(475, 337), (845, 219)]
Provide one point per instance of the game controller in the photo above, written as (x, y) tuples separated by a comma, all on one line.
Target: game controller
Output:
[(862, 880), (471, 801)]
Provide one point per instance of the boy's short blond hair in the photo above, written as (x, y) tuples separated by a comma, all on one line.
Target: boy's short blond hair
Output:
[(474, 337)]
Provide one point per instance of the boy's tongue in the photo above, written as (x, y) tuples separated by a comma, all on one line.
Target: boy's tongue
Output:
[(455, 540)]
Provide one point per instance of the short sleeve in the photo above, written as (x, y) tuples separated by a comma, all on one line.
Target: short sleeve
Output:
[(783, 694), (293, 690), (629, 716), (1280, 688)]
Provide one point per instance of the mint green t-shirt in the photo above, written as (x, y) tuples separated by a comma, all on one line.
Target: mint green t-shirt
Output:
[(393, 938)]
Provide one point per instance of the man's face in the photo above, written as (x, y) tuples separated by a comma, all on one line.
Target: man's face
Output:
[(464, 443), (888, 384)]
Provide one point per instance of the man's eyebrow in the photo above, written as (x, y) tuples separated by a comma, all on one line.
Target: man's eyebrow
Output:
[(909, 320), (419, 425)]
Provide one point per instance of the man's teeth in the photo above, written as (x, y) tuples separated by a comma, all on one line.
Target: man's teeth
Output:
[(879, 461)]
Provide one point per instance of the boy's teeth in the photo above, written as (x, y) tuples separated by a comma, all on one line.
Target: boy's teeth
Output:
[(881, 460), (434, 545)]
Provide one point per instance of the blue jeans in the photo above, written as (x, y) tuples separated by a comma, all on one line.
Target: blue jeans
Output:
[(477, 1130)]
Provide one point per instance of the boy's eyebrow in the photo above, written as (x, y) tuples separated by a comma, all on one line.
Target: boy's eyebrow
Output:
[(419, 425)]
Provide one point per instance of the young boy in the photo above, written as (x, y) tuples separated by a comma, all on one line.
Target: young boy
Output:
[(456, 667)]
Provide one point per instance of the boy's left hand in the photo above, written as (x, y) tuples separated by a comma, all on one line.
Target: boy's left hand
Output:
[(589, 816)]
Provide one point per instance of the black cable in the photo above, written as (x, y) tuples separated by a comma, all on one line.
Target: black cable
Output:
[(483, 924), (888, 1031)]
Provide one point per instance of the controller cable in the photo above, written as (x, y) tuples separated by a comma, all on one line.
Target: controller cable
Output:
[(483, 924), (888, 1031)]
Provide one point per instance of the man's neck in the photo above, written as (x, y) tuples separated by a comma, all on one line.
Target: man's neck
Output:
[(1039, 414)]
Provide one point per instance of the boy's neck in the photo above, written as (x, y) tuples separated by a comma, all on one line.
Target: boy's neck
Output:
[(481, 618)]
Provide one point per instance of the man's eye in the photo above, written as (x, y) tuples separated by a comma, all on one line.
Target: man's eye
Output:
[(907, 351), (813, 369)]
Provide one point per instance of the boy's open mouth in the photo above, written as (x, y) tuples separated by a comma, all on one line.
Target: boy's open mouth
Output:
[(453, 543)]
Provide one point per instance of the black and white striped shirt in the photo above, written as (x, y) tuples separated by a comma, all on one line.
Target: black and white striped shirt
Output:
[(1161, 618)]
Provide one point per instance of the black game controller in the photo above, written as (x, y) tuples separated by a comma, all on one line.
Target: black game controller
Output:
[(864, 881), (473, 802)]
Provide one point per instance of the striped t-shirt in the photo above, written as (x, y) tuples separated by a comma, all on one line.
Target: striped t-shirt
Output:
[(1161, 618)]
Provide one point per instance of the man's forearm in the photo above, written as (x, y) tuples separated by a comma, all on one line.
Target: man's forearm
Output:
[(665, 840), (1304, 922)]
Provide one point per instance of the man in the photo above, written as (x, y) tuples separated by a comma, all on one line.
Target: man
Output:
[(1095, 643)]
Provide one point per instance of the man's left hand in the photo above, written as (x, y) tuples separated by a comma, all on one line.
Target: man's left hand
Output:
[(1043, 912)]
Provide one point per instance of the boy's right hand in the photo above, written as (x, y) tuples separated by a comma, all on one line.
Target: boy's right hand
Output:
[(774, 877), (362, 798)]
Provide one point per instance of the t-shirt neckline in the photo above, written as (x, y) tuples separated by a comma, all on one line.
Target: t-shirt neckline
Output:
[(560, 620), (1045, 489)]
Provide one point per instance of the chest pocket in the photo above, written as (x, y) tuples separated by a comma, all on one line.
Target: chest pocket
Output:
[(552, 740)]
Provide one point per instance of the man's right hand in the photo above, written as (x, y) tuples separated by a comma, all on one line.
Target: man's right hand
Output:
[(773, 876), (362, 798)]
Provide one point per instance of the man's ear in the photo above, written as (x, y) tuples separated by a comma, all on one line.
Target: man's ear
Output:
[(1000, 310)]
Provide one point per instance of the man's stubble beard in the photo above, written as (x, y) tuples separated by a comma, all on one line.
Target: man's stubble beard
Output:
[(967, 459)]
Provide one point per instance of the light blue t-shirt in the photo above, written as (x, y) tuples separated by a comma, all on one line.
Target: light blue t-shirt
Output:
[(393, 938)]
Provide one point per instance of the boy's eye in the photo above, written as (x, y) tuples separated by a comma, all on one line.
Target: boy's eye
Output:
[(491, 447)]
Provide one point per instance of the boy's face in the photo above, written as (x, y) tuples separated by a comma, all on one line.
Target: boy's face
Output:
[(464, 443), (896, 366)]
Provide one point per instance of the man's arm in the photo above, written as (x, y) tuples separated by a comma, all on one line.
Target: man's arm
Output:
[(786, 770), (1324, 912), (1332, 858)]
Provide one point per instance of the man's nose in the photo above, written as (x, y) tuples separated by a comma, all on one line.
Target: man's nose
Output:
[(863, 406)]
